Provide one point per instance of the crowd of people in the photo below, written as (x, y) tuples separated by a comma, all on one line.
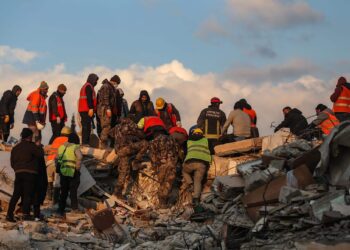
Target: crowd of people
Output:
[(180, 158)]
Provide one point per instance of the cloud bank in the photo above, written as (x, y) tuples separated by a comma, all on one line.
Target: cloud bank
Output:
[(8, 54)]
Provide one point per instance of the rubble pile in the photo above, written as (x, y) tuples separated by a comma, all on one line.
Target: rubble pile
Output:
[(274, 192)]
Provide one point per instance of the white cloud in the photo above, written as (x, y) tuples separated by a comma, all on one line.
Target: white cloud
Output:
[(8, 54), (188, 91), (273, 13)]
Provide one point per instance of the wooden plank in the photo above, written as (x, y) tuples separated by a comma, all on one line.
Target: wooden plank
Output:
[(238, 147)]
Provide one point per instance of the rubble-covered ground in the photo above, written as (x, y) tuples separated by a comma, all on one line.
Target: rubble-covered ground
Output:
[(276, 192)]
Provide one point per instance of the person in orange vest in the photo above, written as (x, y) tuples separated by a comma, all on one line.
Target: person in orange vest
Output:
[(325, 121), (168, 113), (52, 176), (247, 108), (341, 100), (35, 115), (152, 126), (57, 111), (87, 106)]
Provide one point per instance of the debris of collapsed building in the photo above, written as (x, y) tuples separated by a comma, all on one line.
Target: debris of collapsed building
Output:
[(270, 192)]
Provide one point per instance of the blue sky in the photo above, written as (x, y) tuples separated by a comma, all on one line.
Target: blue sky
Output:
[(272, 52)]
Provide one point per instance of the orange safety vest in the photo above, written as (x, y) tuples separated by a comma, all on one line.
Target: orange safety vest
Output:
[(37, 103), (54, 147), (83, 104), (169, 110), (327, 125), (60, 109), (252, 115), (152, 121), (178, 130), (342, 104)]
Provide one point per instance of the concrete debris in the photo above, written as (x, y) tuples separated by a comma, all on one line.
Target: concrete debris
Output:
[(287, 193), (253, 144)]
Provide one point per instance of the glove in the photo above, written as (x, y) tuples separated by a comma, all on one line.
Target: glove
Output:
[(58, 120), (109, 113), (178, 124), (91, 113), (39, 125), (12, 126), (7, 119)]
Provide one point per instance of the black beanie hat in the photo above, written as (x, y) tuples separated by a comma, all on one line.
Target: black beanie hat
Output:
[(116, 79), (26, 132)]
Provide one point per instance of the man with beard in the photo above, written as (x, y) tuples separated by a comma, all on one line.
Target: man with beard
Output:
[(142, 107)]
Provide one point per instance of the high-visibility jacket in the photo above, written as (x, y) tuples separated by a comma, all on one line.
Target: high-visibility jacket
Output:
[(342, 104), (83, 103), (252, 115), (54, 147), (327, 125), (198, 150), (152, 121), (60, 109), (169, 110), (67, 158), (37, 104)]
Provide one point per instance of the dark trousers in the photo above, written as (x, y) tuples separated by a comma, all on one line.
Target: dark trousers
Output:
[(342, 116), (56, 130), (24, 189), (86, 127), (5, 129), (69, 185), (212, 143)]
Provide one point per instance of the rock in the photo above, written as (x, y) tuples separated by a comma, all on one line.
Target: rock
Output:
[(287, 193), (13, 239), (228, 187)]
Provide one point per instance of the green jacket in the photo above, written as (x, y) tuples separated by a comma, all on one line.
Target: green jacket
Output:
[(198, 150), (69, 160)]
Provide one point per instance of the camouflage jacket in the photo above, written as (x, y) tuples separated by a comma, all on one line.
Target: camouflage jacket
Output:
[(162, 149)]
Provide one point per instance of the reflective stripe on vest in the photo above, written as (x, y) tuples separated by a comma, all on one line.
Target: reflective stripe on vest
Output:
[(252, 115), (37, 103), (60, 110), (54, 147), (198, 150), (209, 135), (171, 115), (83, 104), (328, 124), (152, 121), (342, 104), (68, 162)]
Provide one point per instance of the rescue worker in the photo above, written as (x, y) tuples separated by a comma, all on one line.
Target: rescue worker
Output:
[(196, 163), (240, 122), (35, 115), (57, 111), (25, 164), (142, 107), (87, 106), (70, 158), (8, 104), (125, 106), (163, 152), (247, 108), (294, 120), (341, 100), (116, 112), (52, 176), (326, 119), (168, 113), (152, 125), (129, 140), (211, 120), (106, 106)]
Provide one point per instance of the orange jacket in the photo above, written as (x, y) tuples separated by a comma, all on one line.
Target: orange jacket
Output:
[(327, 125), (54, 147), (37, 104), (252, 115), (172, 115), (152, 121), (60, 109), (342, 104), (83, 103)]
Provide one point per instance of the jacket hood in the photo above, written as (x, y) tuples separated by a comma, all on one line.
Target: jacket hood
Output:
[(16, 88), (295, 111), (92, 78), (144, 92)]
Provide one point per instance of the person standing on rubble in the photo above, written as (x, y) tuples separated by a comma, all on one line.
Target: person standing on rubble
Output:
[(87, 106), (106, 108), (247, 108), (8, 104), (341, 100), (52, 176), (125, 106), (326, 119), (24, 161), (142, 107), (70, 157), (211, 120), (196, 163), (57, 111), (35, 115), (129, 140), (294, 120), (168, 113), (240, 122)]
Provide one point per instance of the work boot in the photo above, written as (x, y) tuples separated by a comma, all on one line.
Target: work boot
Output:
[(56, 195), (10, 218), (49, 191)]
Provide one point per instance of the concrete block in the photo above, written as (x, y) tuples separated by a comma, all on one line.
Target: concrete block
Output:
[(239, 146), (287, 193)]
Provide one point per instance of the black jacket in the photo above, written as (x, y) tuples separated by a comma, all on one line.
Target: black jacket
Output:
[(53, 105), (25, 157), (8, 104), (213, 115), (295, 121)]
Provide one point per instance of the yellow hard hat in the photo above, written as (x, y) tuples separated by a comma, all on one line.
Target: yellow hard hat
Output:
[(197, 131), (160, 103), (66, 130)]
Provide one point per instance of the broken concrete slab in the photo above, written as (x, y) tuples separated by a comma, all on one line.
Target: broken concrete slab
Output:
[(239, 146), (86, 180), (260, 177), (279, 138), (228, 187), (324, 204), (7, 177), (287, 193)]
